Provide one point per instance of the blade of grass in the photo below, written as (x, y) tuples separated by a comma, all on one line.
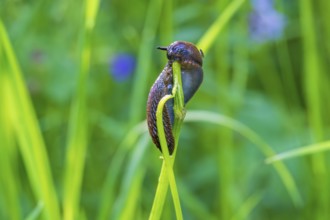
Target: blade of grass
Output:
[(9, 186), (286, 67), (134, 194), (248, 206), (109, 189), (28, 134), (224, 153), (126, 202), (281, 169), (312, 70), (209, 37), (137, 104), (167, 160), (166, 176), (241, 67), (160, 196), (271, 81), (194, 205), (232, 83), (313, 77), (300, 151), (35, 212), (77, 136), (166, 30)]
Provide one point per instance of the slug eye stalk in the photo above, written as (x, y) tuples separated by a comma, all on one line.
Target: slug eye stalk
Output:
[(162, 48)]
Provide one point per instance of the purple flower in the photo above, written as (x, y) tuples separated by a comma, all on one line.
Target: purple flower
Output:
[(265, 22), (122, 66)]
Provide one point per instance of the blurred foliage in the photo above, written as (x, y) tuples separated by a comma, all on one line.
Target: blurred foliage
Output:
[(268, 69)]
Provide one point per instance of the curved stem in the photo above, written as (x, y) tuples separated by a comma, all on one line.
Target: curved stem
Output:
[(167, 175), (168, 161)]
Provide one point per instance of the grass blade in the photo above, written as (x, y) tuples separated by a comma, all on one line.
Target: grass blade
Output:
[(137, 104), (313, 77), (35, 212), (127, 200), (27, 132), (209, 37), (248, 206), (283, 172), (301, 151), (109, 186), (77, 142), (9, 189)]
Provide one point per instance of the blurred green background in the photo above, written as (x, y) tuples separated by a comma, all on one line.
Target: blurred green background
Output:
[(74, 80)]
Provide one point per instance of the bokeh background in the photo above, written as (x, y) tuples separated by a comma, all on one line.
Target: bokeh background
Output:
[(74, 80)]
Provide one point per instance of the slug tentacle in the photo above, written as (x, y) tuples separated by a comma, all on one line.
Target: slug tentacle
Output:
[(191, 61)]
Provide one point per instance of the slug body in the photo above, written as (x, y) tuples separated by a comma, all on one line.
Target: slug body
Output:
[(191, 61)]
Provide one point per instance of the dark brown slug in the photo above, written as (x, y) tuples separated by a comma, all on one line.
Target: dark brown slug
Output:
[(191, 61)]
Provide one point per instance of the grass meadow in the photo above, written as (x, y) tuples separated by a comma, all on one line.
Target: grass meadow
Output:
[(74, 82)]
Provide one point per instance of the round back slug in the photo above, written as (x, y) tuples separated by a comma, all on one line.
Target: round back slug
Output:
[(191, 61)]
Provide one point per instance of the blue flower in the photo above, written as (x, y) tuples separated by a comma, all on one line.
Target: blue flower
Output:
[(122, 66), (265, 22), (262, 5)]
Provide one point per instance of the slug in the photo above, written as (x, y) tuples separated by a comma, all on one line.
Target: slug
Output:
[(191, 61)]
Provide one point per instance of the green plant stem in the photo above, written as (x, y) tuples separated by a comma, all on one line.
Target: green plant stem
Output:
[(77, 138), (300, 151), (313, 76), (179, 109), (35, 212), (248, 206), (144, 60), (166, 174), (9, 189), (109, 190), (28, 134), (161, 191), (281, 169), (132, 181), (167, 160)]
